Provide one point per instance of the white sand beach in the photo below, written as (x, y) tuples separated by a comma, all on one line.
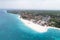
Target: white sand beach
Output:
[(36, 27)]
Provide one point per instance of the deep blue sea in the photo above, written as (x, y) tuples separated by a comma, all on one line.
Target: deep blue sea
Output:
[(11, 28)]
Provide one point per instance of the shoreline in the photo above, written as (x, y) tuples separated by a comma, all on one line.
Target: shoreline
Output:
[(36, 27)]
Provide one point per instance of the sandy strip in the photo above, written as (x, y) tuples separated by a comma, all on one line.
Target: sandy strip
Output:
[(36, 27)]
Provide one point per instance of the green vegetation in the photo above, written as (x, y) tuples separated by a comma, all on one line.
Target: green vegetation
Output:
[(54, 14), (56, 22)]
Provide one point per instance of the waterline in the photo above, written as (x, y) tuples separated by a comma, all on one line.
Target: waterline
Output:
[(36, 27)]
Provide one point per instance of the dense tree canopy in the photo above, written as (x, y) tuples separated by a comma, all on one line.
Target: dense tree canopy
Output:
[(55, 15)]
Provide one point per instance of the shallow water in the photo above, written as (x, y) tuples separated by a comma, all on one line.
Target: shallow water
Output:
[(11, 28)]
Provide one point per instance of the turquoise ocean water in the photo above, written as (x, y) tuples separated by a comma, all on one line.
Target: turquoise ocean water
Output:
[(11, 28)]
